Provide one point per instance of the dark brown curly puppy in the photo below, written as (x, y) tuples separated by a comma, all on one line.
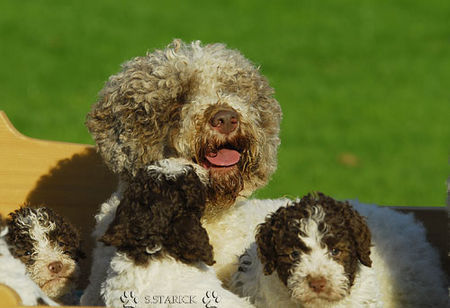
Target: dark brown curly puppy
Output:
[(49, 246), (160, 215), (315, 246), (340, 228)]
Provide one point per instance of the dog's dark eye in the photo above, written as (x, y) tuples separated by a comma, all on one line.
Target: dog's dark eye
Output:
[(27, 253), (294, 255), (61, 244), (335, 252)]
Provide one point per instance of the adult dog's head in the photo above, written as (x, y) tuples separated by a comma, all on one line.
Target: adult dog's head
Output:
[(316, 247), (207, 104)]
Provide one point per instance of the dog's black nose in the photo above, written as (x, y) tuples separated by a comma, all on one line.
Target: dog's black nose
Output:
[(55, 267), (225, 121)]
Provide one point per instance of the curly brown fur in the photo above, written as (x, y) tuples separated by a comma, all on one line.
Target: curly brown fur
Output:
[(39, 237), (160, 106), (161, 215), (342, 230)]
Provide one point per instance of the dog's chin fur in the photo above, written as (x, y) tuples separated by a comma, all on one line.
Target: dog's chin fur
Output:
[(222, 190), (57, 287)]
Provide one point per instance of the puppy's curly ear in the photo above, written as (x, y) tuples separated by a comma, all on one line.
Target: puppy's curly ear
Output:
[(266, 251), (362, 237), (189, 241)]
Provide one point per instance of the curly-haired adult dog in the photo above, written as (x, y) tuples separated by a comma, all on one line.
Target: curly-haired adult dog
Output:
[(158, 234), (206, 104), (49, 246), (14, 274), (318, 252)]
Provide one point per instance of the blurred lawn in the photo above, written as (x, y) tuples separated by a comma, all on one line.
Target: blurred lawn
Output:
[(364, 85)]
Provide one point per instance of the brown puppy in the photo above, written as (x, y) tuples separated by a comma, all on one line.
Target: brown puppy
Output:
[(312, 250), (159, 215)]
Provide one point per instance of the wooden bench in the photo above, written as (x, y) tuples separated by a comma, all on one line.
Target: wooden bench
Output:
[(71, 179)]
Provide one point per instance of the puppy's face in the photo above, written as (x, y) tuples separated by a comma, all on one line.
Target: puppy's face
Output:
[(206, 104), (316, 247), (48, 246)]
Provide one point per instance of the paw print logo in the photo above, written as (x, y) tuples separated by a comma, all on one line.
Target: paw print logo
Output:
[(129, 299), (211, 299)]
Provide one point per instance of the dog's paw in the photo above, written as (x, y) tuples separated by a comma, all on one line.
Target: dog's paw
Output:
[(170, 168)]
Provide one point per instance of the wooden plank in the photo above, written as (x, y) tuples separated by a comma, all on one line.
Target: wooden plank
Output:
[(8, 297)]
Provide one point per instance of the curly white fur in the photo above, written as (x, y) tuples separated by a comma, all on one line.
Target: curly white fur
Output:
[(162, 282), (13, 274), (408, 267), (405, 269)]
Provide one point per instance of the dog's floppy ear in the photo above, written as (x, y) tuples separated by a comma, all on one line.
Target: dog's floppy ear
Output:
[(189, 241), (362, 237), (266, 250), (136, 109), (132, 231)]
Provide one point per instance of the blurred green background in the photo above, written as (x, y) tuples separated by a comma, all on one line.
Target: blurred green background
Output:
[(364, 85)]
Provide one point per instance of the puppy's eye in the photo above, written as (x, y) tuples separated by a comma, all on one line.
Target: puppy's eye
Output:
[(61, 244), (335, 252), (294, 255), (27, 253)]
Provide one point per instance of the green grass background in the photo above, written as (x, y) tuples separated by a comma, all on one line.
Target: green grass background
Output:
[(369, 78)]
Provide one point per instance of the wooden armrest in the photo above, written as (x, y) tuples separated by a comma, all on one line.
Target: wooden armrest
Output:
[(9, 298)]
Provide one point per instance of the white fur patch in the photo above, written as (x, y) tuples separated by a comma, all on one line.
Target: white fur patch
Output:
[(13, 274), (152, 250), (316, 263), (171, 168)]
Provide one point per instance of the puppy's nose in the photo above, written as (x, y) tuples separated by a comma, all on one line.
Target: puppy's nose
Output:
[(317, 284), (55, 267), (225, 121)]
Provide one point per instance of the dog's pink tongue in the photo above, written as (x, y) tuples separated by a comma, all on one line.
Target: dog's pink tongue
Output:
[(224, 158)]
